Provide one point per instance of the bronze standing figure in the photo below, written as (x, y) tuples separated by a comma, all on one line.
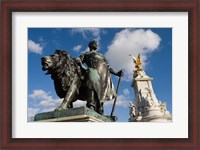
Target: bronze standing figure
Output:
[(99, 84)]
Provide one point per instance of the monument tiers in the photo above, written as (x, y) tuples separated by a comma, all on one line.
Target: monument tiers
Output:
[(146, 107)]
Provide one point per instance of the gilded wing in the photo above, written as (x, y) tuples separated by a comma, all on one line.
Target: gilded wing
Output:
[(138, 60), (134, 59)]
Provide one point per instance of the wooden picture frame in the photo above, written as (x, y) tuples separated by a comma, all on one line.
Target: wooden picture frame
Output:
[(10, 6)]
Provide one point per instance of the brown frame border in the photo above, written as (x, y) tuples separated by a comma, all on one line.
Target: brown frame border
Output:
[(9, 6)]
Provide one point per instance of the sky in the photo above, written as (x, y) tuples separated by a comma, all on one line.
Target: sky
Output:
[(153, 44)]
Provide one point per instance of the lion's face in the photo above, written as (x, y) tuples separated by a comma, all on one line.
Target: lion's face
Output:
[(49, 62)]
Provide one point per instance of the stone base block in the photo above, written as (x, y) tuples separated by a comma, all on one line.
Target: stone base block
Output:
[(81, 114)]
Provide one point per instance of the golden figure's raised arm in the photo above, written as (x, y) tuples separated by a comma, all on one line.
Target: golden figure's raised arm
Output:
[(137, 61)]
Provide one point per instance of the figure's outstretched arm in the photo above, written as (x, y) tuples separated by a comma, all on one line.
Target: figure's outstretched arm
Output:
[(119, 73)]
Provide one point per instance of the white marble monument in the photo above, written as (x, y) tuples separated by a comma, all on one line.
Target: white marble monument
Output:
[(146, 107)]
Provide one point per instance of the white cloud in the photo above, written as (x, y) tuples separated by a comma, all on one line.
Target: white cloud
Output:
[(77, 48), (44, 102), (84, 31), (35, 47), (48, 109), (42, 41), (129, 41), (40, 94), (90, 34), (87, 32), (49, 103), (31, 113), (122, 101), (126, 92), (79, 103), (41, 102)]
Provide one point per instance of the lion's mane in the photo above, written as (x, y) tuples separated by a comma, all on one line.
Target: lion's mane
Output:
[(63, 72)]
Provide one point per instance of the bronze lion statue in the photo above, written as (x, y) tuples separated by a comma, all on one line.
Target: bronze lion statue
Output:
[(67, 76)]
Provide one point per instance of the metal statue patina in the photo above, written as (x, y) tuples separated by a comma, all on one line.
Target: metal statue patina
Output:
[(99, 85), (72, 80), (66, 75)]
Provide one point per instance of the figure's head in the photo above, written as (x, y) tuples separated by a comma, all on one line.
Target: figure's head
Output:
[(92, 45)]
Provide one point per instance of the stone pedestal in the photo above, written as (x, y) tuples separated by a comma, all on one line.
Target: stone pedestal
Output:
[(81, 114), (146, 107)]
